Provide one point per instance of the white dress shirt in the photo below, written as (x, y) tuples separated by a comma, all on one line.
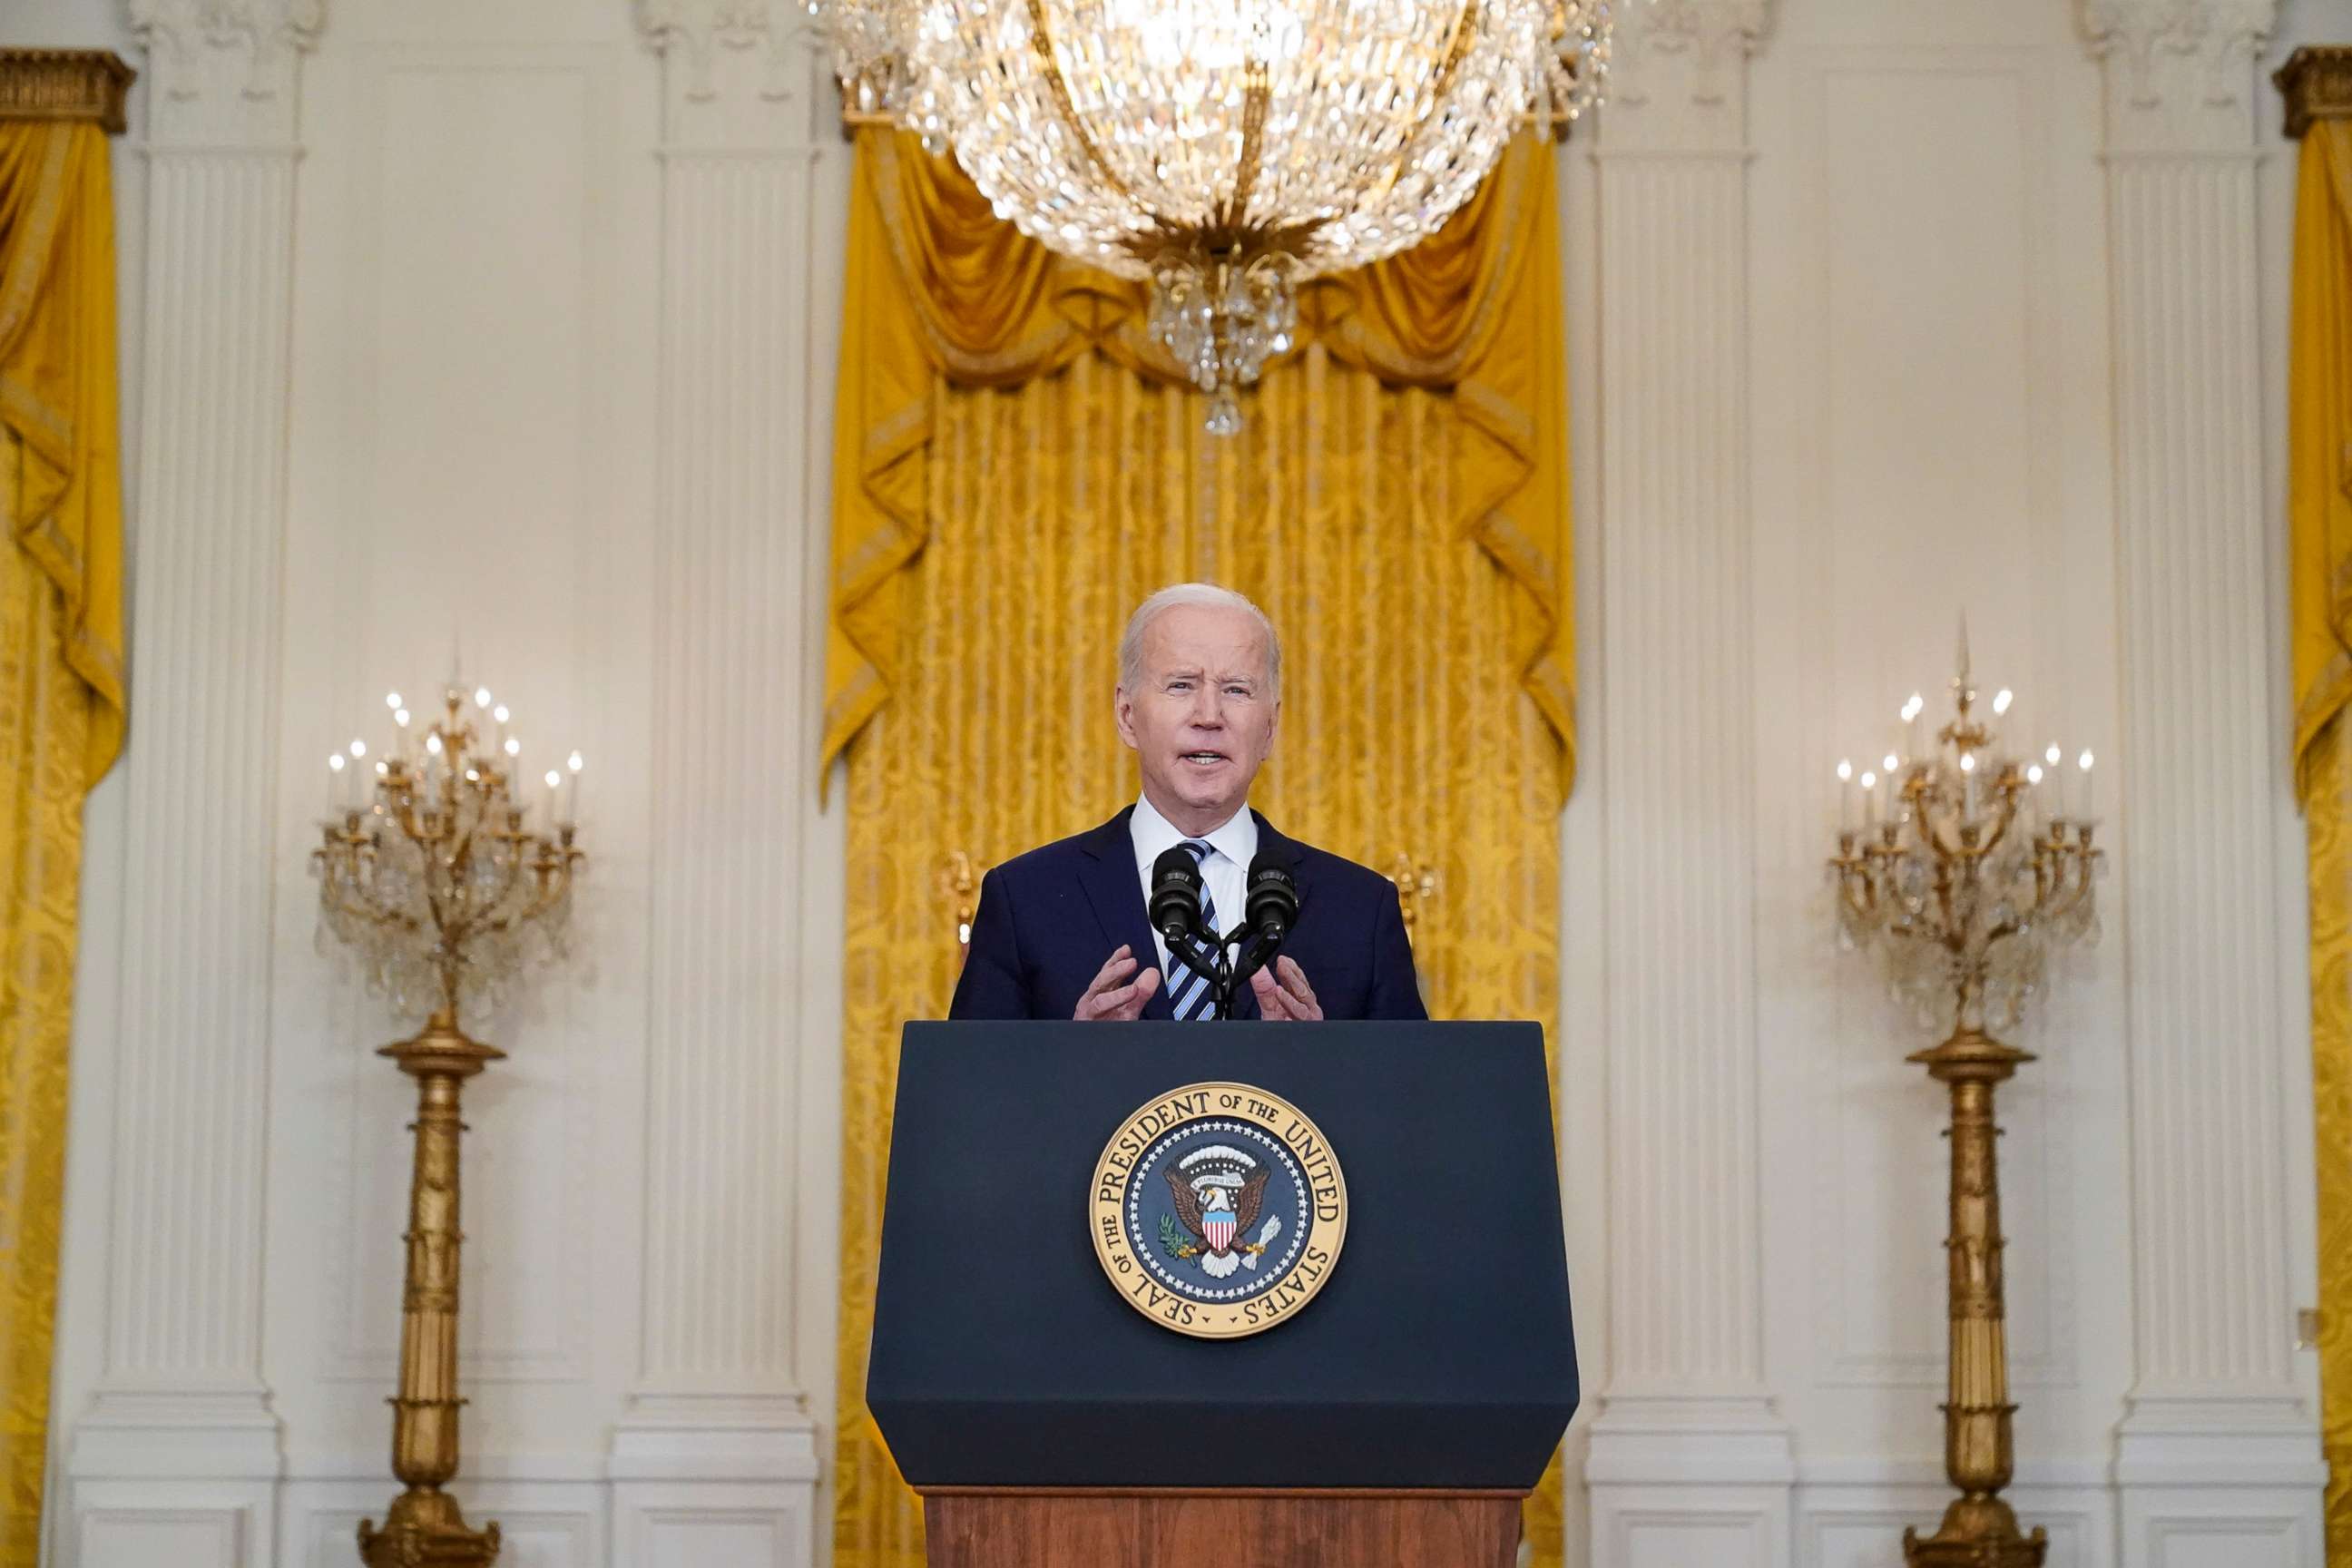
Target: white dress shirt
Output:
[(1224, 869)]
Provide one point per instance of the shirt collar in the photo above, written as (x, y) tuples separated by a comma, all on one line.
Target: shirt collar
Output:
[(1154, 835)]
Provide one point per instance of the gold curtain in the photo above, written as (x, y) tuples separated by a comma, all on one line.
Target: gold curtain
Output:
[(61, 715), (2319, 504), (1015, 467)]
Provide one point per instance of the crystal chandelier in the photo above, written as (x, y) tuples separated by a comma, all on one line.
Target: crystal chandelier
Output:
[(1223, 149)]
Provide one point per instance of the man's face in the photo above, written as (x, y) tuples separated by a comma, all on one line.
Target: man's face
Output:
[(1200, 719)]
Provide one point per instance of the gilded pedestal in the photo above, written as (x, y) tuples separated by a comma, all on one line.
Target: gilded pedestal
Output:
[(1978, 1529), (423, 1525)]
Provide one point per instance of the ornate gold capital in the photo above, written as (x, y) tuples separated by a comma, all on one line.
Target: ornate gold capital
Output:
[(64, 84), (2317, 82)]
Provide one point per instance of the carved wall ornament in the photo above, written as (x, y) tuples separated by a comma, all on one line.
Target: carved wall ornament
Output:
[(698, 29), (1705, 32), (2219, 39), (267, 32)]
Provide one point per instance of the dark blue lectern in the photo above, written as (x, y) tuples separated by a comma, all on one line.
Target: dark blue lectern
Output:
[(1395, 1417)]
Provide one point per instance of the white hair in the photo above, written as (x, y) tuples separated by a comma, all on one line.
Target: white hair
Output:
[(1208, 595)]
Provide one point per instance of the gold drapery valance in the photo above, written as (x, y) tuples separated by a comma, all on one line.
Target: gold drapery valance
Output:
[(61, 676), (940, 289), (2318, 88), (56, 395)]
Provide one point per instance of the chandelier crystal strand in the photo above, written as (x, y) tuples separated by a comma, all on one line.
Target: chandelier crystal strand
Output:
[(1222, 150), (869, 40)]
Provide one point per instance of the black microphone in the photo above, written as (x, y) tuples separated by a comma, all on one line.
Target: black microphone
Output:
[(1176, 896), (1271, 900), (1271, 907)]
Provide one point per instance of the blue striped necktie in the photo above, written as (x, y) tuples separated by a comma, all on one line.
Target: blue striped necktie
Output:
[(1188, 992)]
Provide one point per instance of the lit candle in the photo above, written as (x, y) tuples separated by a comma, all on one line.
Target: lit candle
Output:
[(1869, 801), (2054, 757), (335, 783), (554, 817), (1911, 713), (1968, 786), (1845, 795), (2085, 805), (571, 788)]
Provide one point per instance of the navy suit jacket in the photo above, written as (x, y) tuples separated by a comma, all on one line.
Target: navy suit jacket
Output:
[(1049, 919)]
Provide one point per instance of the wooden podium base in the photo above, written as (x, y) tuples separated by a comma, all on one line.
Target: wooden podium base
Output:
[(1026, 1527)]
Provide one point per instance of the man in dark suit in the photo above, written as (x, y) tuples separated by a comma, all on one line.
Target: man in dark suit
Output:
[(1061, 932)]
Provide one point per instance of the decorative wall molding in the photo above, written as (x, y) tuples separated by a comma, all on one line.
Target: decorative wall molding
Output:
[(737, 74), (2216, 1404), (224, 71), (2179, 72), (1678, 75), (716, 1439), (182, 1421), (1689, 1458)]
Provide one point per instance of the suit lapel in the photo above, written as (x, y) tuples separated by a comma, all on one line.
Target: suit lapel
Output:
[(1108, 876)]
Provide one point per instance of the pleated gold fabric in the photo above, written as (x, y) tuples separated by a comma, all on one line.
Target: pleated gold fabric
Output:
[(1015, 470), (2319, 505), (941, 295), (61, 716)]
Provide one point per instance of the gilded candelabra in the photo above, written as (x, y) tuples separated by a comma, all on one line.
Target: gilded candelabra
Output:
[(431, 873), (1969, 868)]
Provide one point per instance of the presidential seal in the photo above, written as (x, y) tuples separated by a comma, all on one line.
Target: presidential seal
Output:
[(1218, 1210)]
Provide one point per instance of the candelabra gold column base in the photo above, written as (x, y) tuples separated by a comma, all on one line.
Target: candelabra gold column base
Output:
[(425, 1530), (1977, 1532)]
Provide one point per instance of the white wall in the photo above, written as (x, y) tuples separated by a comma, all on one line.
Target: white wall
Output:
[(511, 328), (1906, 310), (520, 320)]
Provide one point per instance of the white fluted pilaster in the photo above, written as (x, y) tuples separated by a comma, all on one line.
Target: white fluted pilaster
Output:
[(1685, 1405), (181, 1417), (2215, 1401), (718, 1397)]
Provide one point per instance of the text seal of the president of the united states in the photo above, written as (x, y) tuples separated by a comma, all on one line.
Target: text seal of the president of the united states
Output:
[(1218, 1210)]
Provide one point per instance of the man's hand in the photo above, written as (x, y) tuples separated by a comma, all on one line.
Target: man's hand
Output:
[(1112, 995), (1283, 991)]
